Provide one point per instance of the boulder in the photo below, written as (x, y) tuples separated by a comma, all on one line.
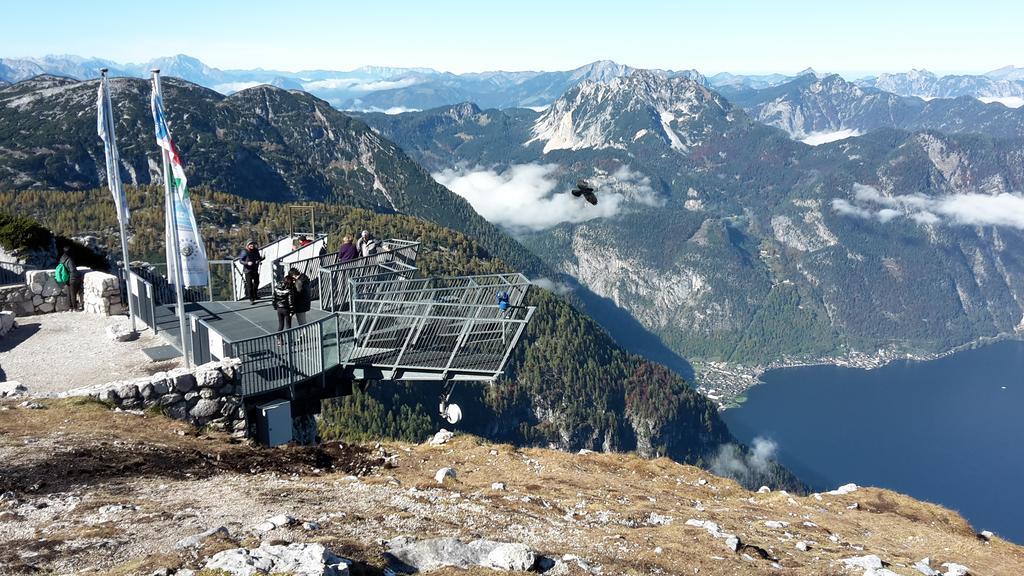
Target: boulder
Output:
[(444, 474), (844, 489), (925, 569), (11, 388), (869, 562), (205, 408), (498, 486), (802, 546), (197, 539), (6, 322), (121, 333), (295, 559), (442, 437), (764, 490), (409, 555), (953, 569)]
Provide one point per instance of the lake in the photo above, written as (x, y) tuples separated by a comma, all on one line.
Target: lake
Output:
[(949, 431)]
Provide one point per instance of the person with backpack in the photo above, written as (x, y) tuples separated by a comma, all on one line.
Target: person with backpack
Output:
[(250, 258), (302, 298), (284, 303), (67, 273)]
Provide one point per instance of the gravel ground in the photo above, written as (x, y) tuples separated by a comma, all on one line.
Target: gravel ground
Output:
[(52, 353)]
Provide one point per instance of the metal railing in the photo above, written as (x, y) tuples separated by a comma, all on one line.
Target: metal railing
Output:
[(393, 249), (143, 299), (398, 259), (433, 337), (287, 358), (482, 289), (11, 273)]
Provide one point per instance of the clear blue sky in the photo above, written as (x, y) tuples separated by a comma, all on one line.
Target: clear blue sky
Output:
[(853, 37)]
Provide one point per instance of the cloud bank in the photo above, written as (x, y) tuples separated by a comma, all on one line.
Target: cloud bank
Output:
[(818, 138), (528, 196), (732, 462), (957, 209)]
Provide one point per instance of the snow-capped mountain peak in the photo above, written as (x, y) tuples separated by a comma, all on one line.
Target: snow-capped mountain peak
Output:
[(626, 110)]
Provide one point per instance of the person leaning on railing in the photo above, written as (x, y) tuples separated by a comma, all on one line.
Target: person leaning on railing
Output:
[(284, 303), (367, 245)]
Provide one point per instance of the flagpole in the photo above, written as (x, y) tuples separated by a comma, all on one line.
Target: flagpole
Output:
[(114, 179), (173, 216)]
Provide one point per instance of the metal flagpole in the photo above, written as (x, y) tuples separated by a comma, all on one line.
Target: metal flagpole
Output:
[(172, 214), (114, 182)]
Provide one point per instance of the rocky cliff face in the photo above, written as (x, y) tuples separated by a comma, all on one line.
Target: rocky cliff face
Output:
[(760, 250)]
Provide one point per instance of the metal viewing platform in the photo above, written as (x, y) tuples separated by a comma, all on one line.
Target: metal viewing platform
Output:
[(372, 318)]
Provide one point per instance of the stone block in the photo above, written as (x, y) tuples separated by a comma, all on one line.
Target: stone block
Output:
[(169, 399), (205, 408), (183, 382)]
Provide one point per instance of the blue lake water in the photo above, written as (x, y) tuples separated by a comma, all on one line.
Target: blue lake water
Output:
[(949, 431)]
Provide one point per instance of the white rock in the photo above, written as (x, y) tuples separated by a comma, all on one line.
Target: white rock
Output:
[(802, 546), (733, 542), (31, 405), (764, 490), (295, 559), (265, 526), (442, 437), (854, 506), (310, 525), (925, 569), (870, 561), (702, 482), (120, 333), (443, 474), (281, 520), (510, 557), (658, 550), (844, 489), (498, 486), (987, 535), (776, 524), (11, 388), (953, 569), (655, 519), (197, 539)]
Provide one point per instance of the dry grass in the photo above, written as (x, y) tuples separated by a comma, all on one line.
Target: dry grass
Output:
[(596, 506)]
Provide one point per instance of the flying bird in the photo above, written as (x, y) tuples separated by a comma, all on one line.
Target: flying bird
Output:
[(586, 190)]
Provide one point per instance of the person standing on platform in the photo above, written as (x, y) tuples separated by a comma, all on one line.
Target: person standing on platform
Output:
[(367, 245), (250, 259), (347, 251), (75, 302), (284, 303), (303, 298)]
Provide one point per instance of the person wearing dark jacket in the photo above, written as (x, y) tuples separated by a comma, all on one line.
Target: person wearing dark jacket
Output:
[(284, 303), (75, 301), (347, 251), (250, 258), (303, 297)]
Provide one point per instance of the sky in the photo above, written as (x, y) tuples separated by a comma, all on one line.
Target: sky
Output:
[(850, 38)]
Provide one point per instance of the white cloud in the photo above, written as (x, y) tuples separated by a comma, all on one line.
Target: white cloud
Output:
[(560, 288), (1008, 101), (357, 84), (818, 138), (732, 462), (528, 196), (538, 108), (391, 111), (231, 87), (964, 209)]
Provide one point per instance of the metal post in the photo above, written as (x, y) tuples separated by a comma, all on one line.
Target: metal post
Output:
[(114, 183), (172, 214)]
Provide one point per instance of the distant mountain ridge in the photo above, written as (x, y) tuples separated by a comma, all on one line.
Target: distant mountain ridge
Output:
[(1005, 82), (810, 104)]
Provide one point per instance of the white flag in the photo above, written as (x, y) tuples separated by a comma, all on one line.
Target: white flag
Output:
[(104, 115)]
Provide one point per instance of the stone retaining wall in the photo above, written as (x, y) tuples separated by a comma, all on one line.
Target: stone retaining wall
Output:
[(40, 294), (207, 395)]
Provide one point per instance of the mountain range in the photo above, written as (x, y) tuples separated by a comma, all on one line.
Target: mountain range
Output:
[(812, 105), (381, 88), (732, 241), (724, 237)]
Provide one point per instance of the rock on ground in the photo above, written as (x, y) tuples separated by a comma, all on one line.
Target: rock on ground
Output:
[(295, 559), (11, 388), (408, 554), (444, 474), (442, 437), (869, 562)]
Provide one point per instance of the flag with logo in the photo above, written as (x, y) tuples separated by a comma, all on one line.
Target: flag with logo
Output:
[(104, 118), (194, 266)]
